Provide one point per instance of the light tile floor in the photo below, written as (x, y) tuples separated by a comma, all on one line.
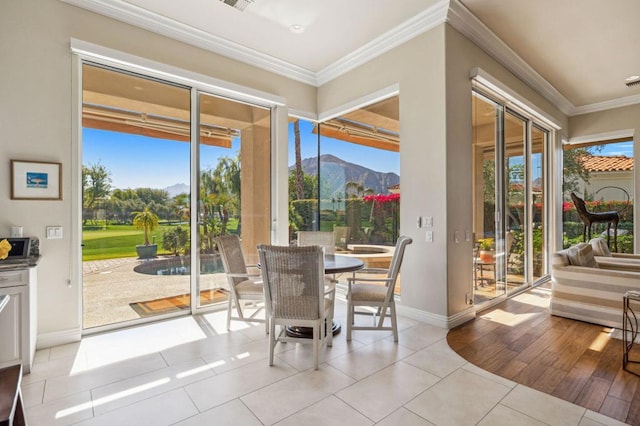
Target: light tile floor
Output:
[(191, 371)]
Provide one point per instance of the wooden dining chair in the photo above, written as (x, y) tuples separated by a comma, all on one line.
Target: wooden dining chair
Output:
[(296, 295), (378, 293), (243, 286)]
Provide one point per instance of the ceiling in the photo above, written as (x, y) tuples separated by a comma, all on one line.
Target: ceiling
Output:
[(577, 57)]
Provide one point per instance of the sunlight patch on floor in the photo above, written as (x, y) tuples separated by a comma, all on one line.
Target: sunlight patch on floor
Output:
[(510, 319), (110, 348), (217, 321), (113, 397), (601, 341), (540, 298)]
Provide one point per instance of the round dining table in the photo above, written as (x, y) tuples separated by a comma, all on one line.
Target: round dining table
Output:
[(338, 263), (333, 264)]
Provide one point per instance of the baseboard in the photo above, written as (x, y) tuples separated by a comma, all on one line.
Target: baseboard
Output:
[(56, 338), (437, 320)]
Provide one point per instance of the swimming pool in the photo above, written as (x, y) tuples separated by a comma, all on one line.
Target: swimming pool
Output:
[(180, 265)]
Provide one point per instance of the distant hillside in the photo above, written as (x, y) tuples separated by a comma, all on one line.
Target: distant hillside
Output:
[(337, 172), (176, 189)]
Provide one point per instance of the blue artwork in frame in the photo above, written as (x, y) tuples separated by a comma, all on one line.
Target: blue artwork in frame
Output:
[(36, 180)]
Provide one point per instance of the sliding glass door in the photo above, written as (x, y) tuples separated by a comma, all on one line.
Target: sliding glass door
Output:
[(509, 218), (147, 144)]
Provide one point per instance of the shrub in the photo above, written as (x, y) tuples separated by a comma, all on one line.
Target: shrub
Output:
[(176, 240)]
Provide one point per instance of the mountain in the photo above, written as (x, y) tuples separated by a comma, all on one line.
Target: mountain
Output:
[(336, 173), (176, 189)]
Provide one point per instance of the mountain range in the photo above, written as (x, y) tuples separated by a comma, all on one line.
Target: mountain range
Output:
[(335, 174)]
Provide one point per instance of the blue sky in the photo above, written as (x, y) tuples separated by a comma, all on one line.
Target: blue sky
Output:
[(620, 148), (138, 161), (374, 159)]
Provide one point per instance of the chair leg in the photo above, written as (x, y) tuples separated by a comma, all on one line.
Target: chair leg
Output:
[(230, 307), (394, 322), (349, 320), (272, 340), (317, 329)]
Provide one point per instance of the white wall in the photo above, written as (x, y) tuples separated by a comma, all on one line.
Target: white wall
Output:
[(36, 123), (418, 68)]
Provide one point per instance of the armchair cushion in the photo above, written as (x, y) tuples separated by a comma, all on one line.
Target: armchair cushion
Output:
[(600, 247), (582, 255)]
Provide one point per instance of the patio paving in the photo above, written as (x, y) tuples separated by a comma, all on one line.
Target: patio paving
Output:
[(110, 286)]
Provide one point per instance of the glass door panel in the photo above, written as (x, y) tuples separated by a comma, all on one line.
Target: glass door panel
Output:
[(360, 177), (537, 182), (488, 280), (136, 166), (303, 177), (516, 208), (234, 195)]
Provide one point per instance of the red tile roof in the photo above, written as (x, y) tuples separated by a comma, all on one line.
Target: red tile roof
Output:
[(597, 163)]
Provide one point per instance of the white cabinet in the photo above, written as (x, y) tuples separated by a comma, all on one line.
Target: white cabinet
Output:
[(18, 319)]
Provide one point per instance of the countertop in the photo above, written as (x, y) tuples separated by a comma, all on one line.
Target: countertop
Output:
[(11, 264)]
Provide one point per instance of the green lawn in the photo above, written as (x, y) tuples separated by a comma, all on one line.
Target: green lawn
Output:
[(120, 240), (116, 241)]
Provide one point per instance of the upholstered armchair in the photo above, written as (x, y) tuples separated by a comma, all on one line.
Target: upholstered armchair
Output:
[(584, 290)]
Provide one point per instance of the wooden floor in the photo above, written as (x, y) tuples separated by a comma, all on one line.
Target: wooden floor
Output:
[(573, 360)]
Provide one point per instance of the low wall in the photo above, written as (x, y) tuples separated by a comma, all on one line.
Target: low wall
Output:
[(373, 256)]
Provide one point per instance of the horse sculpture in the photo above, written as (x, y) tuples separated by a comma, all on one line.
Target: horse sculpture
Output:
[(589, 218)]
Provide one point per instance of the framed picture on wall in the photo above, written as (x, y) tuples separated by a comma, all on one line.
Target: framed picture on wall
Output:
[(36, 180)]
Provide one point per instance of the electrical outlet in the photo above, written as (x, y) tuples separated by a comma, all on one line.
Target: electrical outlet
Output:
[(428, 236)]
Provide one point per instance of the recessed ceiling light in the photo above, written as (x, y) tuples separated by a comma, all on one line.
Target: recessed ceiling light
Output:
[(633, 77), (297, 29)]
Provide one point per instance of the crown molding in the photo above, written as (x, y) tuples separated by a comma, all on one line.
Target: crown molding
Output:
[(468, 24), (409, 29), (602, 106), (162, 25), (450, 11)]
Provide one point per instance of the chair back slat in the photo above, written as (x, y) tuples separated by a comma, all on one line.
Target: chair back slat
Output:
[(230, 249), (294, 281), (324, 239)]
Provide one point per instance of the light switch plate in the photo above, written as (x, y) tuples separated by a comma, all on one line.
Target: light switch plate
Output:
[(54, 232), (428, 221)]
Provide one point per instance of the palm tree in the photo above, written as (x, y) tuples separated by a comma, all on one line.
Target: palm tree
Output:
[(147, 220), (299, 178)]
